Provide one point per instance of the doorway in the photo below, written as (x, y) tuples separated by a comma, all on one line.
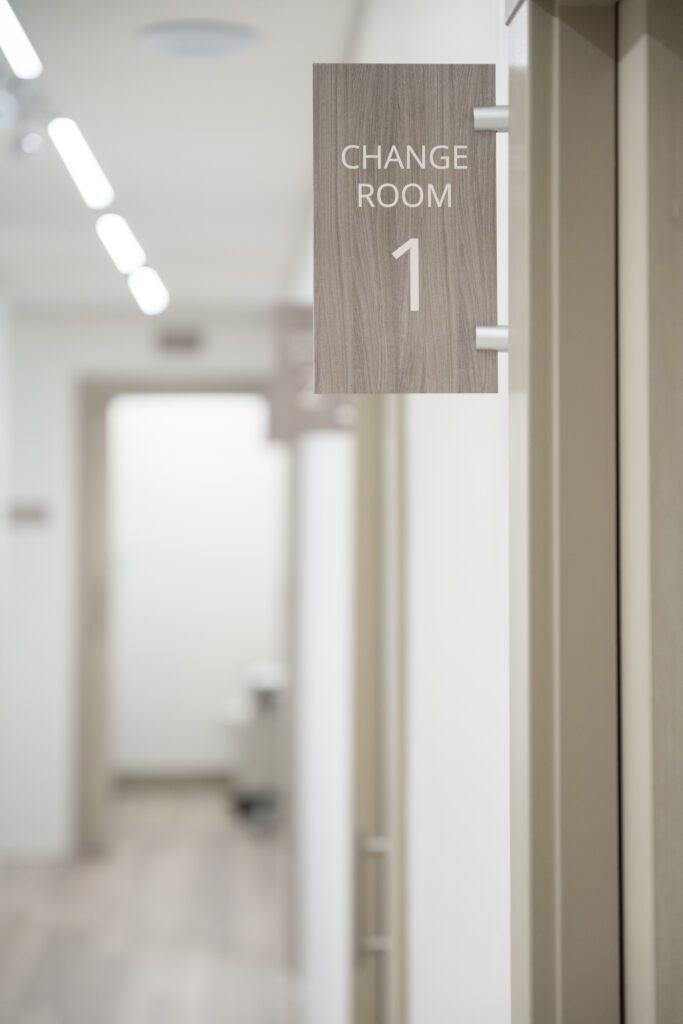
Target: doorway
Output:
[(196, 578), (183, 752)]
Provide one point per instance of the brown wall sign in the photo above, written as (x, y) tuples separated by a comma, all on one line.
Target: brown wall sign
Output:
[(405, 228)]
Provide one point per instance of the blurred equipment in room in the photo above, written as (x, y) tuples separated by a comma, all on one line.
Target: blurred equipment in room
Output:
[(255, 725)]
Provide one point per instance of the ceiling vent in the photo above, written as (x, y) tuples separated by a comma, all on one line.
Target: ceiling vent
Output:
[(180, 340)]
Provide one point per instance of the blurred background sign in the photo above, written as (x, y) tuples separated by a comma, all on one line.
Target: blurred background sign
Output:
[(295, 408)]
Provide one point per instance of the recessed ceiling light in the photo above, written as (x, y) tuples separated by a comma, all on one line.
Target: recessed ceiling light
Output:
[(16, 45), (80, 162), (30, 143), (199, 38), (149, 291)]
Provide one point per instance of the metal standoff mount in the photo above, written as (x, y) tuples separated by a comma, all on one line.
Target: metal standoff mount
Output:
[(492, 339), (491, 119)]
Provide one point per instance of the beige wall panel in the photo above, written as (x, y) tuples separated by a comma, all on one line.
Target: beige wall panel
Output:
[(651, 430), (370, 817), (565, 851)]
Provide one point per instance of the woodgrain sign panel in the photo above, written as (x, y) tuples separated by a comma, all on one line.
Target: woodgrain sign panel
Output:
[(405, 228)]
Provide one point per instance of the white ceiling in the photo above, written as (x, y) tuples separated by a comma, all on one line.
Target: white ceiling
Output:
[(210, 158)]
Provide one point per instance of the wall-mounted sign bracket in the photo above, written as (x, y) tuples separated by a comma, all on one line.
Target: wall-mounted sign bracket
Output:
[(492, 339), (491, 119)]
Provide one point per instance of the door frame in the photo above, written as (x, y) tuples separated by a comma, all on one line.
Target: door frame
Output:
[(91, 761), (565, 844), (650, 84), (380, 977)]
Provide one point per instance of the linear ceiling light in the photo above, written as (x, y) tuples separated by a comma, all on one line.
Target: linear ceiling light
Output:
[(117, 238), (80, 162), (16, 45), (149, 291)]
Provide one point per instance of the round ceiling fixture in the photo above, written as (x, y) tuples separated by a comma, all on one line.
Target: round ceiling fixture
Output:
[(199, 38), (29, 143)]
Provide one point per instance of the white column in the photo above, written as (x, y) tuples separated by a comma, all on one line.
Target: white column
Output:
[(324, 684)]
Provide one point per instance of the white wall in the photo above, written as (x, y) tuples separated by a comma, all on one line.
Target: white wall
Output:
[(50, 355), (430, 31), (458, 818), (324, 681), (4, 397), (4, 481), (458, 671), (197, 511), (457, 619)]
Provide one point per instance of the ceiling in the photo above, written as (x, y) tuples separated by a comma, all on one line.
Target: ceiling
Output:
[(210, 158)]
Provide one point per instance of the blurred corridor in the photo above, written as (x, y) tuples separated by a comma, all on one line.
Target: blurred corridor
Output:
[(254, 674)]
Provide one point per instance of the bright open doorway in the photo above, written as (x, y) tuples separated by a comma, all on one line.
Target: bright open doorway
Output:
[(185, 637), (197, 555)]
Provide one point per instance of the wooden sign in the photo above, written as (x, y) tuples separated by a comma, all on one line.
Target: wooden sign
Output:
[(295, 408), (405, 228)]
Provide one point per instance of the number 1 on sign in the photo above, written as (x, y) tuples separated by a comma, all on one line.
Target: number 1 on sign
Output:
[(412, 246)]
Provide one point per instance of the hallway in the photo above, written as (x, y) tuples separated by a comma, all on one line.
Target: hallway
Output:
[(182, 924)]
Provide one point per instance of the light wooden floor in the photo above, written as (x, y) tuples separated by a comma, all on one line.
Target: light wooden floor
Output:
[(181, 924)]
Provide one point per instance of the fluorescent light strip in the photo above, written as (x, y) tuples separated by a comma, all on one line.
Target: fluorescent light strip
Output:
[(117, 238), (80, 162), (149, 291), (16, 45)]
